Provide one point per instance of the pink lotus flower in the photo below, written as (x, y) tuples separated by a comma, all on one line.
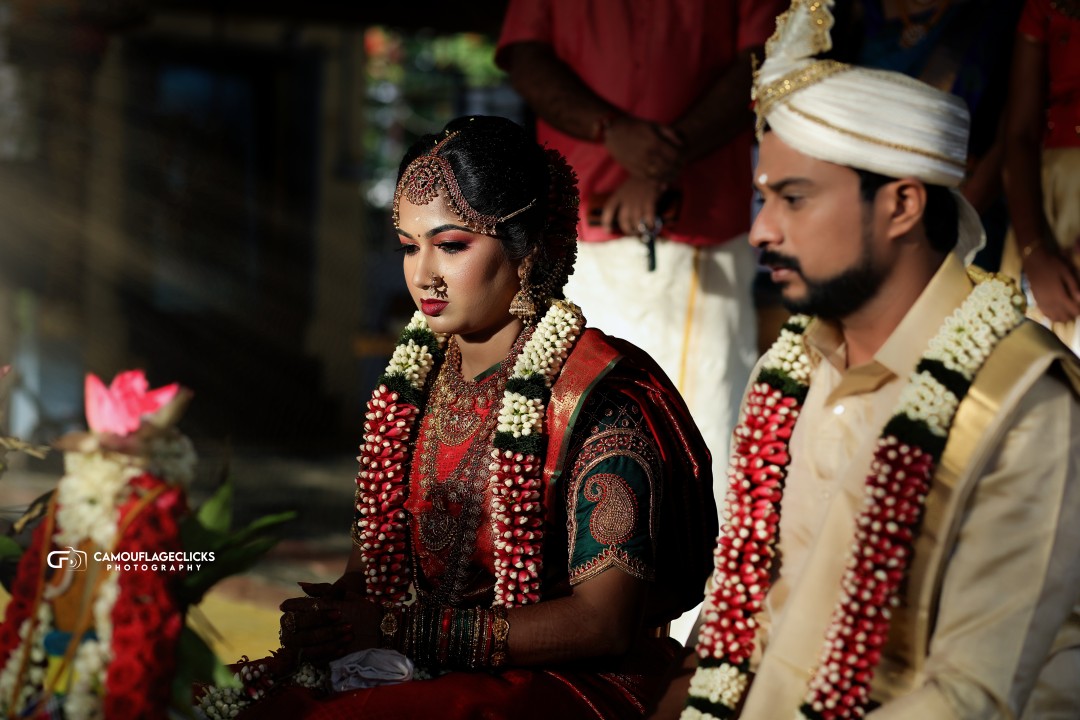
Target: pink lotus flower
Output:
[(120, 408)]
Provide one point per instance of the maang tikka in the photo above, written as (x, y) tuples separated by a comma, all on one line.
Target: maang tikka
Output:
[(424, 176)]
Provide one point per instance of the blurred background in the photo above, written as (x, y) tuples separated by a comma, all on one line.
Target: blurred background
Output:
[(202, 190)]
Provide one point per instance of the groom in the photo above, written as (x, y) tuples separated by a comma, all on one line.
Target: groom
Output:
[(922, 561)]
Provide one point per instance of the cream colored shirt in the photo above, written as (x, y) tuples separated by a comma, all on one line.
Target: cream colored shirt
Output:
[(1014, 576)]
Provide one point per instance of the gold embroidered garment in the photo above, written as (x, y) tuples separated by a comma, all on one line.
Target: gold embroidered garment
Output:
[(607, 499)]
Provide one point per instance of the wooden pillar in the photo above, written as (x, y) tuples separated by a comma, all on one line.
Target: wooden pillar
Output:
[(339, 255), (108, 251)]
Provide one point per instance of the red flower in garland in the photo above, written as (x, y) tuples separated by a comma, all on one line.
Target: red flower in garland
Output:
[(146, 618), (23, 591), (381, 484), (744, 554), (519, 527)]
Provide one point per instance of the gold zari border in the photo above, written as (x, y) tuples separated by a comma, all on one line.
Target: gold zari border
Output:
[(819, 15), (766, 98), (876, 141)]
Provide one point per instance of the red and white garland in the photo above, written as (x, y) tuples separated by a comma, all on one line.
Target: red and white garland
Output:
[(517, 462), (894, 494), (96, 503), (516, 467), (393, 411)]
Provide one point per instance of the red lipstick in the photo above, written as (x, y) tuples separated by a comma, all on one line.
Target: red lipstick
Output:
[(432, 308)]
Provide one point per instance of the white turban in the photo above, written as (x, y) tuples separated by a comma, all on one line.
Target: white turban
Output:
[(875, 120)]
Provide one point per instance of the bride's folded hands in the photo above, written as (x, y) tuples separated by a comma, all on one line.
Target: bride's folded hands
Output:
[(323, 628)]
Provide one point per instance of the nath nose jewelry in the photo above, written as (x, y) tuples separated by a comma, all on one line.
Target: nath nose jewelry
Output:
[(438, 286)]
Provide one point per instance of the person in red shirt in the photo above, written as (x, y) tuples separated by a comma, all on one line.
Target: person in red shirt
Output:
[(648, 102), (1042, 163)]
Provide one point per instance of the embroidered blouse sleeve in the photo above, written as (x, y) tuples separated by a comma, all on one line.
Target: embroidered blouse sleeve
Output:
[(610, 491)]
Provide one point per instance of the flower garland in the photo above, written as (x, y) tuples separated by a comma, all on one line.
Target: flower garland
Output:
[(26, 659), (112, 668), (105, 666), (517, 519), (256, 681), (896, 486), (381, 531)]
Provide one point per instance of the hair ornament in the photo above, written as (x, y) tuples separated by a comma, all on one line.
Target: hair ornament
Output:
[(422, 179)]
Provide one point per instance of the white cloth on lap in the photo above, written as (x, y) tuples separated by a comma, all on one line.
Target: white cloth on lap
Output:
[(368, 668)]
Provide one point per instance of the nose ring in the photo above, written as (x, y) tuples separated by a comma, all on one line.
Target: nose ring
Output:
[(438, 286)]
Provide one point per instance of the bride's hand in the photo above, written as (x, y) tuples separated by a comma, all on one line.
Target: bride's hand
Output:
[(349, 585), (324, 628)]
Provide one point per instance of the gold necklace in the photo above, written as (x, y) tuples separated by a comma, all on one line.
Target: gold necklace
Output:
[(448, 528)]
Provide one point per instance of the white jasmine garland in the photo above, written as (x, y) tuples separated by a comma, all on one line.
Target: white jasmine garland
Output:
[(88, 495), (543, 356), (309, 676), (724, 684), (91, 661), (691, 713), (787, 354), (11, 668), (88, 498), (411, 360), (970, 333), (966, 338), (520, 415), (108, 592), (222, 703), (515, 477), (546, 350), (88, 672), (32, 636), (924, 398)]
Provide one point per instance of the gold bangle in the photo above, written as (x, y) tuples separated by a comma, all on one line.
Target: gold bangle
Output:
[(500, 631), (388, 627)]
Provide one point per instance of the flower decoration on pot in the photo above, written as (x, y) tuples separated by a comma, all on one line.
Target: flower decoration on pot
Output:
[(95, 627)]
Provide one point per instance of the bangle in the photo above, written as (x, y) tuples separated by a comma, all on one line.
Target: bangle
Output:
[(600, 127), (500, 631), (388, 627), (443, 637)]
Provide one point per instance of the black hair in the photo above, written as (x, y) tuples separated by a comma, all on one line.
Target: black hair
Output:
[(500, 169), (940, 216)]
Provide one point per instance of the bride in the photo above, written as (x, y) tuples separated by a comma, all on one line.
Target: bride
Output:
[(534, 502)]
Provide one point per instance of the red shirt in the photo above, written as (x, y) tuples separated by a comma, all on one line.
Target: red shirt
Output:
[(1061, 35), (653, 59)]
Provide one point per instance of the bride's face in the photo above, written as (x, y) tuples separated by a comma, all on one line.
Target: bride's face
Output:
[(461, 280)]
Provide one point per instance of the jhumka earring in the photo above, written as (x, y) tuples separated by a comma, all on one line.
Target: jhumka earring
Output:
[(523, 306), (438, 286)]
